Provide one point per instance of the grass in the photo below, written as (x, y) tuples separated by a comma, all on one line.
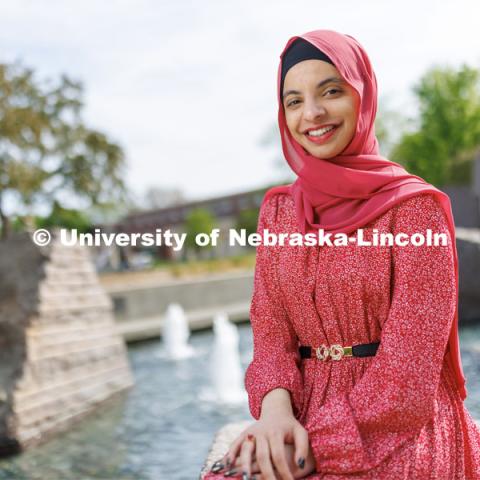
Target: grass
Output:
[(210, 265)]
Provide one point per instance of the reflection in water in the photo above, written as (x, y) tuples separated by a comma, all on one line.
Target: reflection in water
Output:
[(79, 454), (161, 430)]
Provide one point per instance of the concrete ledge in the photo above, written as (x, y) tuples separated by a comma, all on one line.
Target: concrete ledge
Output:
[(151, 327), (134, 302), (223, 438), (468, 234)]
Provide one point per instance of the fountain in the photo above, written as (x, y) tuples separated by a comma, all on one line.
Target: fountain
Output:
[(175, 333), (225, 366)]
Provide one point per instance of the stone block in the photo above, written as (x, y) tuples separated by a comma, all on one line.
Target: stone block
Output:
[(60, 354)]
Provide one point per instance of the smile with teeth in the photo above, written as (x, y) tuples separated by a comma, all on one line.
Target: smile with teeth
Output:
[(320, 131)]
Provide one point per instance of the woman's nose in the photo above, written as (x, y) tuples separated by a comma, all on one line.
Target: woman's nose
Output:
[(313, 110)]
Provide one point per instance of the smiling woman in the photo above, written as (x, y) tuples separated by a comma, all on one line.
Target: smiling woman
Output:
[(321, 116), (383, 396)]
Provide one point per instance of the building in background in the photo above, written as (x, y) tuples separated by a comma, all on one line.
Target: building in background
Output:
[(225, 210)]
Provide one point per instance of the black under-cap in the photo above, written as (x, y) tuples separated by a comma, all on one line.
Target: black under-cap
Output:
[(299, 51)]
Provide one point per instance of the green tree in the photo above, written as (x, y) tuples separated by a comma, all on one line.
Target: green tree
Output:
[(64, 217), (443, 146), (248, 219), (46, 150), (199, 220)]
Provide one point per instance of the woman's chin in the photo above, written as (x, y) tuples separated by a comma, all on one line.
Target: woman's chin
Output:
[(322, 153)]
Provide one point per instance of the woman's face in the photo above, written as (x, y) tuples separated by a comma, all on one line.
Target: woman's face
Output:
[(315, 99)]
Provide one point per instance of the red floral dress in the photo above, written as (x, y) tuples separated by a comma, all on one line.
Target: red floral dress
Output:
[(397, 415)]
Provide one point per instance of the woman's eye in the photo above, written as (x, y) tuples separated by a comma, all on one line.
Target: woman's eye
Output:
[(292, 102), (334, 90)]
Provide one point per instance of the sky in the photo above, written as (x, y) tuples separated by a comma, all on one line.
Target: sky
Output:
[(188, 88)]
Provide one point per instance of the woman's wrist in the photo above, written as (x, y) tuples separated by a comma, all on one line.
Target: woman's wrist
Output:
[(276, 402)]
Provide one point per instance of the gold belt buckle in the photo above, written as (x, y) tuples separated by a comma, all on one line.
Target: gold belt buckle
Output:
[(323, 352), (335, 352)]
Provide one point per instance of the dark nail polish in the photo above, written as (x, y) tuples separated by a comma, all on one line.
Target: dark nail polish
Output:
[(217, 468), (244, 476), (228, 461), (301, 462), (230, 473), (253, 477)]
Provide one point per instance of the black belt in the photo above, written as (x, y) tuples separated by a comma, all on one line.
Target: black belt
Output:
[(336, 351)]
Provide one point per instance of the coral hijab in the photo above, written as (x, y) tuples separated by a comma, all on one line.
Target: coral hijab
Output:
[(346, 192)]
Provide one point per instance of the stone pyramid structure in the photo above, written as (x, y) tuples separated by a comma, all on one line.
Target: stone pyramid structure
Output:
[(60, 354)]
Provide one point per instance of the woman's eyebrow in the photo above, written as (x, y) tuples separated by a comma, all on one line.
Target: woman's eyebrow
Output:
[(320, 84)]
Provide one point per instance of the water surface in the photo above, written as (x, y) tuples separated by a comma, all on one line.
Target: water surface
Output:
[(161, 430)]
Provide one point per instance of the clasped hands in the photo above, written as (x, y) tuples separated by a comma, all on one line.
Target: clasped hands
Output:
[(274, 447)]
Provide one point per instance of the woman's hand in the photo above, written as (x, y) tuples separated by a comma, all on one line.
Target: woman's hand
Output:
[(297, 472), (281, 439)]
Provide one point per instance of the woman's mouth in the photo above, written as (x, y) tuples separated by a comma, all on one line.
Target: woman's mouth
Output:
[(321, 135)]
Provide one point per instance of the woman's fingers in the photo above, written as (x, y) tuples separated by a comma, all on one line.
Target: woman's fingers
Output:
[(255, 468), (229, 459), (301, 441), (277, 449), (262, 452), (261, 476), (246, 454), (267, 454)]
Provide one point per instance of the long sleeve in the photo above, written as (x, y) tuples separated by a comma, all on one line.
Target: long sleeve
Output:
[(395, 397), (276, 360)]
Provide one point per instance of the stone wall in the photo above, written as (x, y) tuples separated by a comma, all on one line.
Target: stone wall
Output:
[(468, 250), (140, 309), (60, 355), (465, 205)]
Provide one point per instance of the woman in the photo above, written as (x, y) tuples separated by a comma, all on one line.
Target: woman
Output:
[(356, 370)]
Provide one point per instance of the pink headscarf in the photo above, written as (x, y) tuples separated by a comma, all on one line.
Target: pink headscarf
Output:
[(347, 192)]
